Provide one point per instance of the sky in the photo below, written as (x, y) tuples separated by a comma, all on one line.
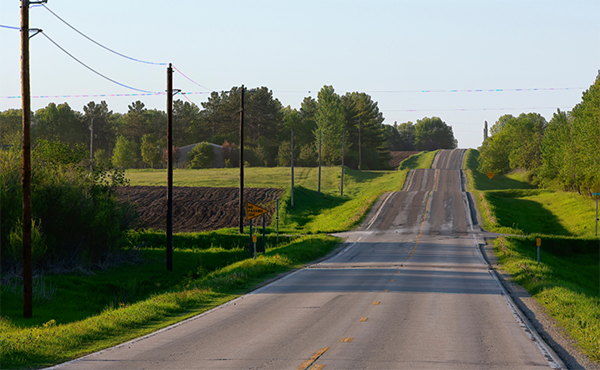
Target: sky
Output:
[(415, 58)]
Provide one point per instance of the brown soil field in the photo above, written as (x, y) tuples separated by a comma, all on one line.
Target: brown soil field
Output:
[(196, 208), (398, 157)]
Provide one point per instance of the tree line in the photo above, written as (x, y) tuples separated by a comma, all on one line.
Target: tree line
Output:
[(561, 153), (137, 138)]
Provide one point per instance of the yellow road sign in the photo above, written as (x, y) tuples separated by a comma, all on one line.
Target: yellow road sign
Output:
[(538, 241), (491, 174), (252, 211)]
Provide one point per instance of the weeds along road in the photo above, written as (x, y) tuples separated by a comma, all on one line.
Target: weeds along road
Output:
[(410, 291)]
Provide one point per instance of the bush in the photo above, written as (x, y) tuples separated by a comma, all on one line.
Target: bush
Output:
[(202, 156), (77, 213)]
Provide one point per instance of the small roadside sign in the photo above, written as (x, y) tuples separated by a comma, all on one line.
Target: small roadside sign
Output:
[(253, 211), (538, 241), (490, 175)]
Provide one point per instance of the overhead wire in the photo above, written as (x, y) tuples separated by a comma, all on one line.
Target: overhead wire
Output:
[(196, 83), (93, 70), (99, 44)]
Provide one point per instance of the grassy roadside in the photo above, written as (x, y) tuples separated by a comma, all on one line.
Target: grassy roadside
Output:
[(567, 281), (25, 346), (566, 284)]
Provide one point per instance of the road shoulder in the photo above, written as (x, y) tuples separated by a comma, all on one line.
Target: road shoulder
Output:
[(547, 327)]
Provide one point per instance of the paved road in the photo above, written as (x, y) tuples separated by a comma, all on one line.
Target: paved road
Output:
[(409, 292)]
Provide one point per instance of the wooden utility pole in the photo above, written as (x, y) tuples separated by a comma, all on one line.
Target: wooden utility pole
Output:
[(292, 164), (319, 187), (359, 148), (343, 146), (92, 146), (242, 162), (26, 112), (170, 168)]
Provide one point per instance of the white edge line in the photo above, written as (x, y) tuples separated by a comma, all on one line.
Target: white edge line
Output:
[(337, 254), (553, 361), (379, 210)]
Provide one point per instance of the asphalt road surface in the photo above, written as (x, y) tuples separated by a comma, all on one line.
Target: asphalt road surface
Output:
[(411, 291)]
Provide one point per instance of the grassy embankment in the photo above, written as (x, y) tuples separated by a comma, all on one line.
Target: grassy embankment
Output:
[(567, 281), (85, 312)]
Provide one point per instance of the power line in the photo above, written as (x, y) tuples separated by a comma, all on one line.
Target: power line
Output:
[(464, 109), (181, 73), (99, 44), (478, 90), (91, 69)]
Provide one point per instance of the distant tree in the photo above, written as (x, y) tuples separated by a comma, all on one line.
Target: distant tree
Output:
[(362, 114), (125, 154), (151, 150), (284, 154), (586, 139), (11, 127), (186, 123), (406, 132), (104, 125), (202, 156), (393, 138), (330, 123), (516, 145), (432, 133), (230, 154), (307, 156), (59, 123), (305, 133), (557, 153)]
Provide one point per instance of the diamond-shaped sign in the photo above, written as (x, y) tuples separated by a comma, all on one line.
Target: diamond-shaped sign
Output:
[(491, 174)]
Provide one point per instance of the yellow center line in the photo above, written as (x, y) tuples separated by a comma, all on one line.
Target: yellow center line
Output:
[(363, 319), (376, 303), (317, 367), (346, 340), (412, 253), (305, 365)]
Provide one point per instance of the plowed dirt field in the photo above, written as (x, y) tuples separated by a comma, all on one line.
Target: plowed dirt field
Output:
[(398, 157), (195, 208)]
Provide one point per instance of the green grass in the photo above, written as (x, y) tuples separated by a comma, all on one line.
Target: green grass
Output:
[(566, 283), (190, 289), (420, 160)]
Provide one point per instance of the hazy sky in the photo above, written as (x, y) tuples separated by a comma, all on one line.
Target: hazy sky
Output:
[(408, 55)]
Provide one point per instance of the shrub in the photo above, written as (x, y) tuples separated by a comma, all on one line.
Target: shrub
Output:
[(77, 213), (202, 156)]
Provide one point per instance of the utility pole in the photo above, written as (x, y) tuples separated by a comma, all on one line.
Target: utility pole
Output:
[(343, 146), (319, 188), (359, 148), (485, 131), (292, 144), (92, 146), (170, 168), (26, 112), (242, 161)]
